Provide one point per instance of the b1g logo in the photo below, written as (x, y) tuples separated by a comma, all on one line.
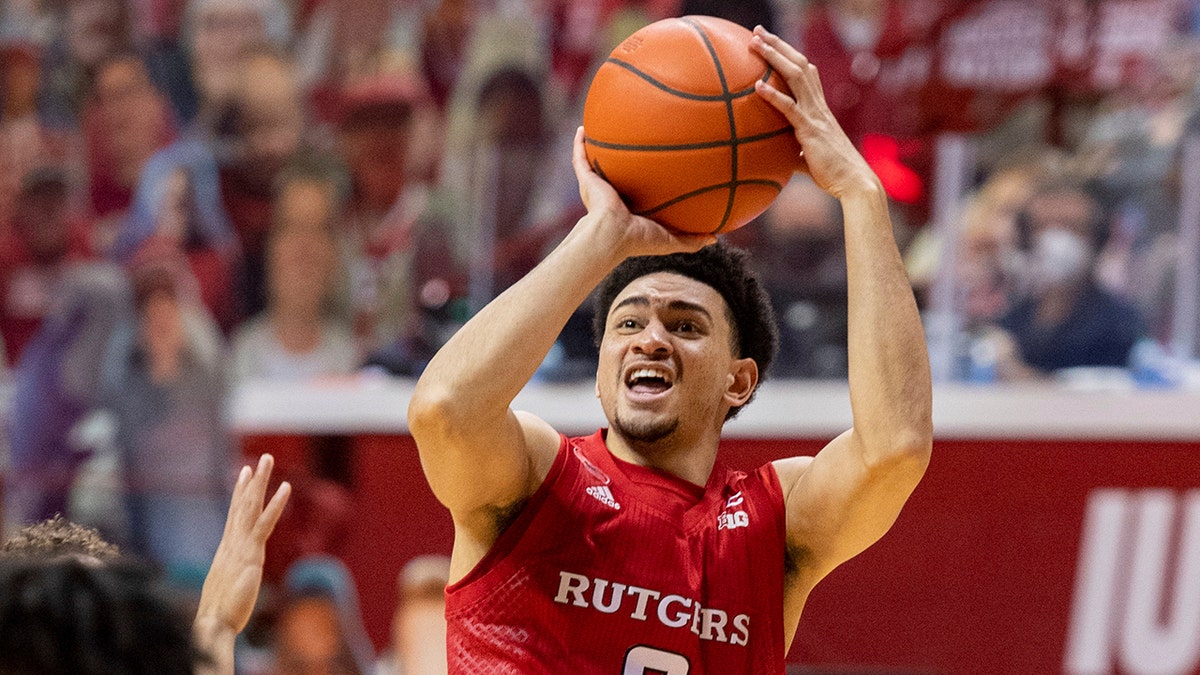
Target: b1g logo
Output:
[(1136, 607), (727, 519)]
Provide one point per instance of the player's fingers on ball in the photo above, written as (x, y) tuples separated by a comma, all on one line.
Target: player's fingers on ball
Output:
[(579, 155), (779, 100), (780, 46), (786, 68)]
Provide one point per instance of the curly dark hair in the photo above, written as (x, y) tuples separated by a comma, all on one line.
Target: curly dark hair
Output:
[(71, 616), (726, 269), (58, 537)]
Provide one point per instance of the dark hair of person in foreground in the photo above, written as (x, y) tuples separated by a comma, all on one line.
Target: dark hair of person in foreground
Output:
[(76, 616)]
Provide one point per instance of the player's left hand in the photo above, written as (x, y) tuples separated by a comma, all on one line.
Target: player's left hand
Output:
[(830, 157), (231, 587)]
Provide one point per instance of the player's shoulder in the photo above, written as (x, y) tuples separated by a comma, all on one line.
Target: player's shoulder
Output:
[(790, 469)]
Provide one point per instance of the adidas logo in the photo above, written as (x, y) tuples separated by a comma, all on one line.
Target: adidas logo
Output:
[(604, 496)]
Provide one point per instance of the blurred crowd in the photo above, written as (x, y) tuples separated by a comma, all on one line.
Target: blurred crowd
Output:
[(200, 193)]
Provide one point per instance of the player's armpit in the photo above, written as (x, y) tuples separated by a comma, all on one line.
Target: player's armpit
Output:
[(476, 475), (839, 503)]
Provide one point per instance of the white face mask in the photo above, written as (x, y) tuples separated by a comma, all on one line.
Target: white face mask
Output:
[(1059, 256)]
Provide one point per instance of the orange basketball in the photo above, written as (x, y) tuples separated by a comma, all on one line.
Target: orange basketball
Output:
[(673, 122)]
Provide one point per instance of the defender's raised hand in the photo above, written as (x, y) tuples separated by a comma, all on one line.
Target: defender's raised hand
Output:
[(231, 587)]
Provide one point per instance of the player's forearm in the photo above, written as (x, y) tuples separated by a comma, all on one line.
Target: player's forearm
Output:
[(890, 390), (476, 375)]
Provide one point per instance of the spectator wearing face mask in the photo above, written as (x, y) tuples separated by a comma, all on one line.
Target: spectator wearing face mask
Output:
[(1066, 320)]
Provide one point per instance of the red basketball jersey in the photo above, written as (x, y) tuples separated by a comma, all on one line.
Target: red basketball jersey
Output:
[(617, 569)]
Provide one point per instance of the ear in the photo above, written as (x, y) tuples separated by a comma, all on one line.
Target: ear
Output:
[(741, 382)]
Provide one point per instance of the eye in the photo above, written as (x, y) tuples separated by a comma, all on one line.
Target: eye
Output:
[(627, 324)]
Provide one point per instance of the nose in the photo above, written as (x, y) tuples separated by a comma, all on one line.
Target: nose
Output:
[(653, 339)]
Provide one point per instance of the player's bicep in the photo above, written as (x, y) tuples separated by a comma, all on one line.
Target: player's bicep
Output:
[(838, 504), (470, 474)]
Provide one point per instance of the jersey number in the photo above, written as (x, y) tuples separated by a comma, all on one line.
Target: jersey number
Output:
[(643, 660)]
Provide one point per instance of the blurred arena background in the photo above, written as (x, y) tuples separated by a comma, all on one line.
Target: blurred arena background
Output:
[(234, 226)]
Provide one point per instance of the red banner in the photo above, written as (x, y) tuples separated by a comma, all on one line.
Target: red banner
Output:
[(1011, 557)]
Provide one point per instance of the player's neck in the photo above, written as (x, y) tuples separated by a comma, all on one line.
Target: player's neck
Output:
[(689, 459)]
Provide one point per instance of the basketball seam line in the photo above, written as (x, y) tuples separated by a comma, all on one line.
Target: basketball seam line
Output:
[(733, 147), (709, 188), (689, 146), (683, 94)]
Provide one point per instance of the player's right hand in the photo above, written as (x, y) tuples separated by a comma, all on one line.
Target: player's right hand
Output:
[(634, 235)]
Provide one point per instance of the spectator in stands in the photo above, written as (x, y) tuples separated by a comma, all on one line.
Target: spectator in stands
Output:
[(419, 623), (1067, 320), (177, 212), (389, 242), (126, 119), (299, 336), (1134, 142), (218, 34), (261, 133), (158, 32), (989, 277), (26, 143), (56, 387), (445, 35), (800, 249), (164, 384), (91, 30), (499, 166), (319, 629), (986, 266), (44, 240)]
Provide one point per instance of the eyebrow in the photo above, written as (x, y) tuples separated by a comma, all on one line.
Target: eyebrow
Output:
[(677, 305)]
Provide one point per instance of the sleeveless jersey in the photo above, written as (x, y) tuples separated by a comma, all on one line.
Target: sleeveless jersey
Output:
[(617, 569)]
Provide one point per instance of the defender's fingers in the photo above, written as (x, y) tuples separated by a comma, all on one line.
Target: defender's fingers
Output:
[(237, 500), (262, 476), (265, 524)]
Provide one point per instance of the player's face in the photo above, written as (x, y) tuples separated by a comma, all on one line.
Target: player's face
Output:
[(666, 360)]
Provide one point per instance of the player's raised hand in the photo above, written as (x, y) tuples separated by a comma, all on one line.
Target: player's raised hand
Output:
[(231, 587), (638, 235), (834, 163)]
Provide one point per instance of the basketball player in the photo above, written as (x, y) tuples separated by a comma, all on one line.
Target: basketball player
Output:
[(634, 550), (71, 603)]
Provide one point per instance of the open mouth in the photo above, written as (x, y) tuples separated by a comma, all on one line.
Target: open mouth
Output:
[(648, 380)]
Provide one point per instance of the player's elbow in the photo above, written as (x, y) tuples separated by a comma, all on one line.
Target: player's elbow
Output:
[(430, 413), (910, 447), (905, 449)]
